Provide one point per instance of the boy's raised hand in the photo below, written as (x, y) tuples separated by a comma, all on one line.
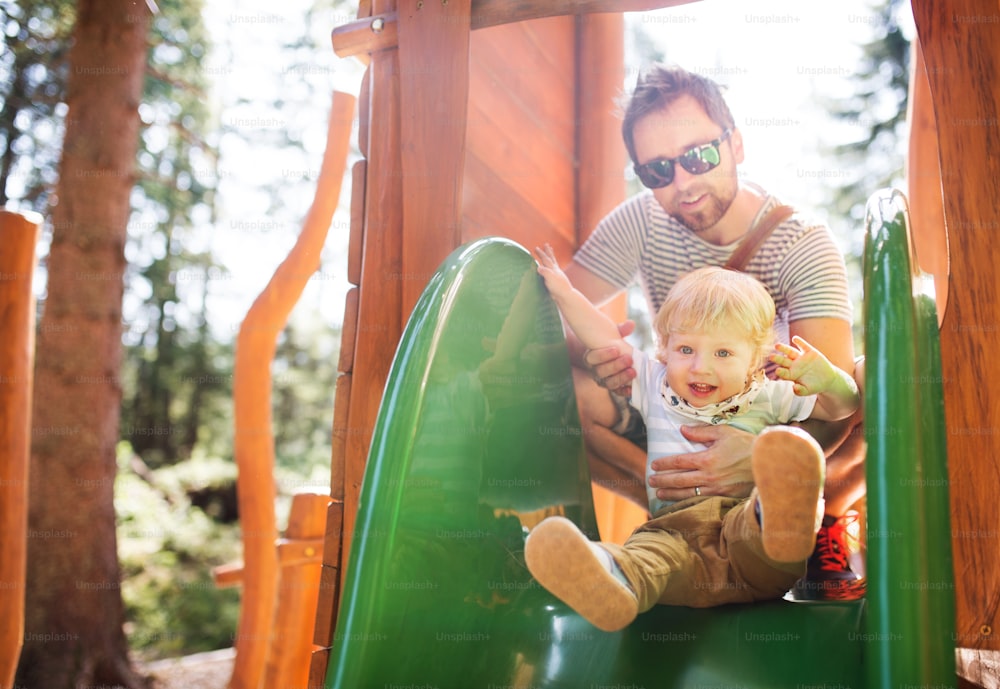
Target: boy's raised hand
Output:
[(804, 365), (548, 268)]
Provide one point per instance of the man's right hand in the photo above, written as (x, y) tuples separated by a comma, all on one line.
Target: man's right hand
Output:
[(722, 468), (610, 368)]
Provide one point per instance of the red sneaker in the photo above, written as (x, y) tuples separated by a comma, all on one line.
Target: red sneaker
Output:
[(829, 574)]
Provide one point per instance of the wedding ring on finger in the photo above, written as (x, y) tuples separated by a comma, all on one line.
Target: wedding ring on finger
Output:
[(697, 491)]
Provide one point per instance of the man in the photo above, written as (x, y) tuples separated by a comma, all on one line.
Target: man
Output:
[(685, 147)]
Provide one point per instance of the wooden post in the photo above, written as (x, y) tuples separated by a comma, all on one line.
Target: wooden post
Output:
[(923, 180), (379, 295), (434, 100), (961, 47), (254, 439), (300, 558), (18, 235)]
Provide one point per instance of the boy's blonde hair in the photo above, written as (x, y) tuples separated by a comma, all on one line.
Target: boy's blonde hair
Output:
[(712, 298)]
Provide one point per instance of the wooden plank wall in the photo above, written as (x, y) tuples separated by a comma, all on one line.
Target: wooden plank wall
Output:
[(520, 152)]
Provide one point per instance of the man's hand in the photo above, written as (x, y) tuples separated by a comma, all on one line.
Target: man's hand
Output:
[(610, 368), (722, 468)]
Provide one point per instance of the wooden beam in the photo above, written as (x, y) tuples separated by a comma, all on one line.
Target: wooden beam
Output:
[(18, 236), (434, 97), (492, 12), (923, 181), (329, 588), (317, 668), (355, 243), (291, 553), (300, 554), (295, 552), (600, 179), (962, 52), (378, 295), (381, 31), (228, 575), (367, 35)]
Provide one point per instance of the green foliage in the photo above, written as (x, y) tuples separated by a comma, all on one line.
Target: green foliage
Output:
[(874, 145), (874, 117), (167, 545), (167, 549), (303, 375), (172, 365), (34, 42)]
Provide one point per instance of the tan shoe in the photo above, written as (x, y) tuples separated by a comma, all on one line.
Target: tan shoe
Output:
[(560, 557), (788, 466)]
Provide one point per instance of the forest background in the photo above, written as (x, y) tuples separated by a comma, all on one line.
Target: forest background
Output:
[(232, 127)]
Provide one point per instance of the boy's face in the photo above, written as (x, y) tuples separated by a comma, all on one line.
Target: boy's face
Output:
[(708, 366)]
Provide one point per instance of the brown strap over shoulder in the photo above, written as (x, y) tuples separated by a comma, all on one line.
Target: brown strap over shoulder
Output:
[(756, 236)]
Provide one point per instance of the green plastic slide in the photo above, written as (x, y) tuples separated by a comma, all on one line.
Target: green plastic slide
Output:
[(911, 590), (477, 439)]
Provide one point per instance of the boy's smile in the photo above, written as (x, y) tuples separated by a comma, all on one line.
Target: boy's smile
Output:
[(708, 367)]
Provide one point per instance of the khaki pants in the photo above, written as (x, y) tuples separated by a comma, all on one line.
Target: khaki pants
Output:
[(703, 552)]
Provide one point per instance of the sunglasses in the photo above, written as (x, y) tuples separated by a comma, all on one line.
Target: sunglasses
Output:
[(698, 160)]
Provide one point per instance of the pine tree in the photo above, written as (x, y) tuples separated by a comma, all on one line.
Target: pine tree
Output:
[(74, 610)]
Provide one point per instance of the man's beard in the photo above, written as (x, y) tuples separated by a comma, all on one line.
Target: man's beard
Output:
[(706, 217)]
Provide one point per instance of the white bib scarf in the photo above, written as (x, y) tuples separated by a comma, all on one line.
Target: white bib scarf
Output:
[(719, 412)]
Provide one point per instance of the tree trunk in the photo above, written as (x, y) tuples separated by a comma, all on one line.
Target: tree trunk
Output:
[(73, 627)]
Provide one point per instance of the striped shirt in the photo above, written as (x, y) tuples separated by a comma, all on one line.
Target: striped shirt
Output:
[(799, 263), (776, 403)]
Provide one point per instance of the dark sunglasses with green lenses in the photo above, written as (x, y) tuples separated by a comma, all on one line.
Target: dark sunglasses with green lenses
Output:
[(698, 160)]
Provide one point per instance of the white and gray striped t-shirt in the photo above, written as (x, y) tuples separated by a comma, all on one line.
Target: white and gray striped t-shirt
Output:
[(776, 403), (799, 264)]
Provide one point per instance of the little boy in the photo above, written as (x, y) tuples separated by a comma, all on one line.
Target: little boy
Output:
[(714, 334)]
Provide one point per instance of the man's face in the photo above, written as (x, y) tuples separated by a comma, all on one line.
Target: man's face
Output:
[(696, 201)]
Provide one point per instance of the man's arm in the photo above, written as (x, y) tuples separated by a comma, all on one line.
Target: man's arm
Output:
[(832, 336)]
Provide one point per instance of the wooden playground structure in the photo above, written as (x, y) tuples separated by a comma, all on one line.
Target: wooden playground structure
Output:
[(482, 118)]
